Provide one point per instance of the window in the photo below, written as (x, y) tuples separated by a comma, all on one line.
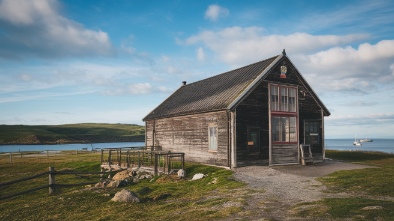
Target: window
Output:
[(284, 129), (283, 114), (287, 101), (292, 100), (274, 98), (213, 138)]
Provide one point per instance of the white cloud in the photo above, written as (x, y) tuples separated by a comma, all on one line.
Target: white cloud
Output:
[(214, 12), (357, 70), (36, 27), (367, 119), (328, 62), (22, 12), (200, 54), (239, 45)]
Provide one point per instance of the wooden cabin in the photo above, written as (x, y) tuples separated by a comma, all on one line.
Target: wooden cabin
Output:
[(258, 114)]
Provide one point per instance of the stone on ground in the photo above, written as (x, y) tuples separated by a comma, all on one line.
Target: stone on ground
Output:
[(125, 196)]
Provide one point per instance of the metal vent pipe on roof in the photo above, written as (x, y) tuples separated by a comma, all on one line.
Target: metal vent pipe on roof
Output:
[(183, 83)]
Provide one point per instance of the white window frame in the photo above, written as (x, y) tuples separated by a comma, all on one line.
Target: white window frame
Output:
[(212, 138), (284, 114)]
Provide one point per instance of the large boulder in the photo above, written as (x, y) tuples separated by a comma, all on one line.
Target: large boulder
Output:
[(125, 196)]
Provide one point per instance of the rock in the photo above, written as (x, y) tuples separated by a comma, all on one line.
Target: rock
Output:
[(121, 175), (101, 184), (113, 184), (198, 176), (125, 196), (181, 173)]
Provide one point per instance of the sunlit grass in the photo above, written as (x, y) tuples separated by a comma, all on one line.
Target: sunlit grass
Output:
[(369, 187), (174, 199)]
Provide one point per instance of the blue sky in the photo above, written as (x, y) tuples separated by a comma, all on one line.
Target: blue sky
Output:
[(102, 61)]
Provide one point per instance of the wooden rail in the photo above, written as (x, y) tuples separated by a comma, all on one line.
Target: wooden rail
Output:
[(52, 185), (168, 161), (151, 157), (43, 153)]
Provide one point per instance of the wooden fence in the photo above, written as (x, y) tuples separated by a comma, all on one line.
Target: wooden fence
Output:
[(153, 157), (118, 159), (52, 185), (44, 153)]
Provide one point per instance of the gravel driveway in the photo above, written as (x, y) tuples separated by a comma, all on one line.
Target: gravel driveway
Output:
[(278, 188)]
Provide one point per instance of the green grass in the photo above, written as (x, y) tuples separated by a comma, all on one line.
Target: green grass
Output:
[(377, 181), (164, 198), (348, 209), (368, 188)]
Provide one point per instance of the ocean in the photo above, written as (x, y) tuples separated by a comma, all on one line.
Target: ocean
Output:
[(60, 147), (380, 145)]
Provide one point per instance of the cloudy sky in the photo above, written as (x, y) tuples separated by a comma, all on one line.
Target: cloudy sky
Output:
[(102, 61)]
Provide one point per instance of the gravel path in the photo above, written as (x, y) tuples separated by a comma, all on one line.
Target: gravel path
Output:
[(278, 188)]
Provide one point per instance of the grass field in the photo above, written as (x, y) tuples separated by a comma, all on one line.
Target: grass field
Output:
[(165, 200), (369, 193), (366, 194)]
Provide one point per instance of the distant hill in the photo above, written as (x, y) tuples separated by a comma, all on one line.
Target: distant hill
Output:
[(71, 133)]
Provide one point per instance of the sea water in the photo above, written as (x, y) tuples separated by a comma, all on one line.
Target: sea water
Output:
[(380, 145), (60, 147)]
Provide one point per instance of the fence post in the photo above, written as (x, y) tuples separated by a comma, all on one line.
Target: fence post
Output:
[(128, 158), (156, 164), (52, 185), (109, 157), (11, 157), (139, 162), (102, 156), (168, 162), (183, 161)]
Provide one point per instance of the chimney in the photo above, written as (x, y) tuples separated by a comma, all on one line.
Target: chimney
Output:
[(183, 83)]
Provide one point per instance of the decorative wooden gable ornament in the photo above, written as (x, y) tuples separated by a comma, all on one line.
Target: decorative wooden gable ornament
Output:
[(283, 68)]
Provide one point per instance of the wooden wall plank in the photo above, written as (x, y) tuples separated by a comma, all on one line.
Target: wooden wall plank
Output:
[(189, 134)]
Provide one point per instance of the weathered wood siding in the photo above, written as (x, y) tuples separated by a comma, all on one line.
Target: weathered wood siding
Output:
[(284, 154), (253, 112), (189, 134), (309, 110)]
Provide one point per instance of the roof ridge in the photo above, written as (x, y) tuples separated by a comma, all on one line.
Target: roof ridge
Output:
[(255, 63)]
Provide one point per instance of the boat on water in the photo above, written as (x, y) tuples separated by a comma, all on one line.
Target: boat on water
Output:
[(366, 139), (356, 142)]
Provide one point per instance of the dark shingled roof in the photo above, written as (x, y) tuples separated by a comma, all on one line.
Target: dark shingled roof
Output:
[(214, 93)]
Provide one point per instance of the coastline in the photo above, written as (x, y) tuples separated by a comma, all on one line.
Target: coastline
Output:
[(34, 140)]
